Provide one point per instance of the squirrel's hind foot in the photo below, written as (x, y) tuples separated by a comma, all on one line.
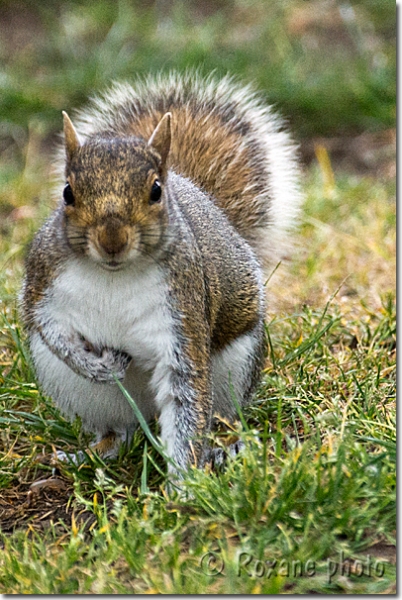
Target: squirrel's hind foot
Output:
[(107, 447), (217, 457)]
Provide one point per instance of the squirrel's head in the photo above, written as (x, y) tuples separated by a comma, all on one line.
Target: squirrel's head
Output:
[(114, 201)]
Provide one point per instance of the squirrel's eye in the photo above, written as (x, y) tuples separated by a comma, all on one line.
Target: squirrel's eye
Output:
[(68, 195), (156, 192)]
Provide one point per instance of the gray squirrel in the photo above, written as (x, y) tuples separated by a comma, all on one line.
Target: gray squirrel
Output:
[(179, 195)]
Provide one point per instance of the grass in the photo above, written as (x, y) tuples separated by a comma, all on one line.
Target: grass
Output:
[(309, 506), (318, 485)]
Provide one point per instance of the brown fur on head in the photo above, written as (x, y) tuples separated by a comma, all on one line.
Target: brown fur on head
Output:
[(114, 204)]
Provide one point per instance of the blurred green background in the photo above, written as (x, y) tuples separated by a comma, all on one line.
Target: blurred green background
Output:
[(328, 65)]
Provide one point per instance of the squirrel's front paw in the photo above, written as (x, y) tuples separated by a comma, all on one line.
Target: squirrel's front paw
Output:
[(112, 363), (98, 364)]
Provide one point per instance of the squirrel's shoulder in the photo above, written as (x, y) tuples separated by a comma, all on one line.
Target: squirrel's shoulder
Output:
[(45, 257), (49, 245), (204, 222)]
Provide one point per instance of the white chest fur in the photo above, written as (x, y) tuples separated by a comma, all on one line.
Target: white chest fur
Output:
[(125, 310)]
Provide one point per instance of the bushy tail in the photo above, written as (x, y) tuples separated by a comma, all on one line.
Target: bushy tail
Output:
[(224, 139)]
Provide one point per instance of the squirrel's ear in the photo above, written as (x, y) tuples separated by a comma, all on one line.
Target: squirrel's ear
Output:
[(71, 139), (160, 139)]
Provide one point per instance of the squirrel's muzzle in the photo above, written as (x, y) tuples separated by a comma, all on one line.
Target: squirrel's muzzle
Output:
[(112, 237)]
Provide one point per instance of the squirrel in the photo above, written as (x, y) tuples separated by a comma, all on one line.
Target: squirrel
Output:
[(179, 194)]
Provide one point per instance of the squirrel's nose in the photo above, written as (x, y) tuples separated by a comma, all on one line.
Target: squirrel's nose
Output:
[(113, 238)]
